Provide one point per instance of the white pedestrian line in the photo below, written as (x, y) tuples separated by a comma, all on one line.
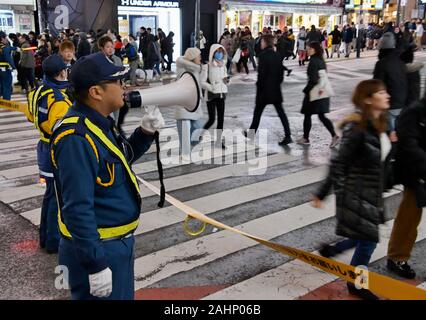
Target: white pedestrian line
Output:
[(168, 262), (295, 279), (24, 192), (164, 217), (17, 118), (19, 143), (151, 166), (33, 216), (422, 286), (18, 156), (7, 113), (19, 172), (190, 180)]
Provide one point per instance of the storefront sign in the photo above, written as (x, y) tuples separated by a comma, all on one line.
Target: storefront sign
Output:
[(148, 3), (293, 1), (364, 5)]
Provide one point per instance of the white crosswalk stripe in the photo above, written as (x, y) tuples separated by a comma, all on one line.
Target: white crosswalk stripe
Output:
[(232, 187)]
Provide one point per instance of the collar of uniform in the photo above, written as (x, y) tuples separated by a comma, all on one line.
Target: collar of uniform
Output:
[(98, 119)]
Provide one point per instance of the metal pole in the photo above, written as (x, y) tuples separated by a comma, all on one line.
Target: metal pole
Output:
[(197, 23), (358, 39), (398, 12)]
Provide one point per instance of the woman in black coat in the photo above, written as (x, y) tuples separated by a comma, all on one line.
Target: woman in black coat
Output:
[(359, 174), (319, 107)]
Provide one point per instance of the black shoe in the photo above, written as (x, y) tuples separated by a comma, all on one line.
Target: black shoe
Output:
[(287, 140), (52, 251), (327, 251), (300, 63), (289, 72), (362, 293), (401, 268)]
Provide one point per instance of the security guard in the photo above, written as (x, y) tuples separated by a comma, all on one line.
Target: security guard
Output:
[(97, 191), (6, 67), (46, 105)]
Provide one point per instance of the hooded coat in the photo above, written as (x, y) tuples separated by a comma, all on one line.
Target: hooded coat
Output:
[(84, 48), (214, 73)]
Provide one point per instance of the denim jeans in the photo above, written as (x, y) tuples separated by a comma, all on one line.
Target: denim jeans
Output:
[(363, 250)]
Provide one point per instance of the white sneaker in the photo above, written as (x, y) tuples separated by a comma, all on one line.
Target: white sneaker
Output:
[(303, 141)]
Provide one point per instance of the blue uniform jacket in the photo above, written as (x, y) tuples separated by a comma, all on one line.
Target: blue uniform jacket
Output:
[(85, 204), (6, 56)]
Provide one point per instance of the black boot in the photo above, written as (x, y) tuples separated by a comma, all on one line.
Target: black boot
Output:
[(401, 268), (287, 140), (328, 251), (300, 63), (361, 293)]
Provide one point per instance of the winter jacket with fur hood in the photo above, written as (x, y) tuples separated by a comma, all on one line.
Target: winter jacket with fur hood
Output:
[(359, 177), (214, 73)]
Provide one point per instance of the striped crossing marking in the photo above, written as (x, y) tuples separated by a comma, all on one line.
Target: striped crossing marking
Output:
[(181, 257), (294, 279)]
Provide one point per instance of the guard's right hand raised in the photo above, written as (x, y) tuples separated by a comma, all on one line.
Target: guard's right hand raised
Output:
[(101, 283)]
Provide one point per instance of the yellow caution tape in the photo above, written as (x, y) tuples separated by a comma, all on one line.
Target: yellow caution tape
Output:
[(14, 106), (381, 285)]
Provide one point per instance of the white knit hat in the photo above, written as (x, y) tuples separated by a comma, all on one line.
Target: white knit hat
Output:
[(191, 53)]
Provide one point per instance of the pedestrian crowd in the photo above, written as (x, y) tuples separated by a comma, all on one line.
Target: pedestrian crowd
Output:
[(85, 157)]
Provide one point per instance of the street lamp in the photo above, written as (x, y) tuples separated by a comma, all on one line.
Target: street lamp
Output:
[(398, 12), (197, 23), (358, 38)]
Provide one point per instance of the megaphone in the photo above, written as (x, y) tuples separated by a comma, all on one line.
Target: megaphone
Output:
[(183, 93)]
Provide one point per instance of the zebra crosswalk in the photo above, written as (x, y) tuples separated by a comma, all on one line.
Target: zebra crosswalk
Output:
[(274, 205)]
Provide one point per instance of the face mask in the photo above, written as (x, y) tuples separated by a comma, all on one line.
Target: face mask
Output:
[(218, 56)]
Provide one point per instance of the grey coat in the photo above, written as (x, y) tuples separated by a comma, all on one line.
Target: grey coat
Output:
[(27, 57)]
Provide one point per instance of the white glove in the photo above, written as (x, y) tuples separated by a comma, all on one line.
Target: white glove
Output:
[(101, 283), (152, 121)]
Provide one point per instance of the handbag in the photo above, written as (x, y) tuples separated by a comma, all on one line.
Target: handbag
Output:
[(237, 56), (322, 89)]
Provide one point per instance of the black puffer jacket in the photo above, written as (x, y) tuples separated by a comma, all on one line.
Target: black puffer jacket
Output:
[(357, 175), (411, 149), (393, 72)]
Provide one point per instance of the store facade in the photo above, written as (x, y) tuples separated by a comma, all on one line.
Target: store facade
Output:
[(277, 14), (134, 14), (365, 11), (17, 15)]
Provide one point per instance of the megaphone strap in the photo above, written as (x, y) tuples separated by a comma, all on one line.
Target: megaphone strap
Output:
[(160, 171)]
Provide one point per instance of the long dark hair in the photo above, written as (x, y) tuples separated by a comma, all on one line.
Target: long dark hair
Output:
[(364, 90), (318, 49)]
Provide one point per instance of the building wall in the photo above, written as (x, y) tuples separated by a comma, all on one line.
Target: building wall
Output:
[(208, 21)]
